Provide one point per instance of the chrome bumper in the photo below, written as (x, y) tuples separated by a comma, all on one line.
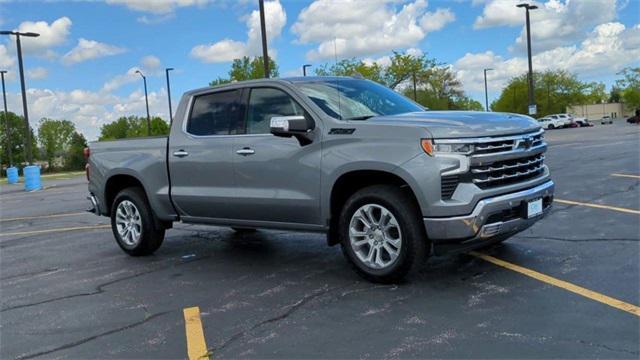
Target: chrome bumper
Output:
[(492, 219)]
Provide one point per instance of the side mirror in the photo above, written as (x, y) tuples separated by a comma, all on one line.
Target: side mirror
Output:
[(290, 125)]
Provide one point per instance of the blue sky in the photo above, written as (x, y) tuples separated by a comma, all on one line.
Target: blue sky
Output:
[(82, 68)]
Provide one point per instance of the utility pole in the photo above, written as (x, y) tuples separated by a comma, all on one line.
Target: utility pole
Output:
[(169, 95), (532, 103), (304, 69), (265, 54), (486, 92), (415, 88), (28, 152), (6, 118), (146, 99)]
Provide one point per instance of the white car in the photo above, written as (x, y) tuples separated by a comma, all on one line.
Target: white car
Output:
[(550, 122), (565, 118), (606, 120)]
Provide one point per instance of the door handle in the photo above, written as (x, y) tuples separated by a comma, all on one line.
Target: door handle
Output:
[(180, 153), (245, 151)]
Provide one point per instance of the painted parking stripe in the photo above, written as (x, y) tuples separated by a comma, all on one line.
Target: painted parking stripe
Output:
[(196, 346), (91, 227), (44, 216), (597, 206), (627, 175), (607, 300)]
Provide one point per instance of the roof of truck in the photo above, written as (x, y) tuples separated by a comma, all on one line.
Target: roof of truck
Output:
[(295, 79)]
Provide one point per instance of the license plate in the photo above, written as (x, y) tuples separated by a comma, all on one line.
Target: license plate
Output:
[(534, 208)]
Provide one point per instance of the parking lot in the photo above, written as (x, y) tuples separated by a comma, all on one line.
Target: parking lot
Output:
[(567, 287)]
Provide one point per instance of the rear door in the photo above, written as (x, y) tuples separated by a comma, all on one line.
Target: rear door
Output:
[(277, 178), (200, 155)]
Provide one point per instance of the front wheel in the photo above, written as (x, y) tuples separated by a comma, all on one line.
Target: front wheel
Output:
[(382, 234), (133, 223), (551, 127)]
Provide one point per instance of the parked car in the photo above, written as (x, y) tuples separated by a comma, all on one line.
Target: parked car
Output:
[(565, 119), (550, 123), (388, 181), (606, 120), (582, 122), (634, 119)]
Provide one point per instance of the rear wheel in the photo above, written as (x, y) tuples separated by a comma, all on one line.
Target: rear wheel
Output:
[(133, 223), (551, 127), (382, 234)]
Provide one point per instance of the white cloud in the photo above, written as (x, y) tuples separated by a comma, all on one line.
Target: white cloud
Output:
[(158, 6), (150, 66), (358, 28), (88, 50), (6, 60), (51, 35), (37, 73), (228, 49), (434, 21), (499, 13), (606, 50)]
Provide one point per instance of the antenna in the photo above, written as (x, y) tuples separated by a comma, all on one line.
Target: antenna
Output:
[(335, 58)]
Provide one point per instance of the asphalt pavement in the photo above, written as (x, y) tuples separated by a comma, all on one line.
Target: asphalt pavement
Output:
[(68, 291)]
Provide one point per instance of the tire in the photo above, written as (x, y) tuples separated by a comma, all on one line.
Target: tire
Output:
[(410, 250), (241, 230), (551, 127), (131, 204)]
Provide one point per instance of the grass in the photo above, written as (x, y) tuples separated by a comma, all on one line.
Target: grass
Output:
[(54, 176)]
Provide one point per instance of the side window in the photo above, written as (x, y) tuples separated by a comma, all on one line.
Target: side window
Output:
[(265, 103), (215, 114)]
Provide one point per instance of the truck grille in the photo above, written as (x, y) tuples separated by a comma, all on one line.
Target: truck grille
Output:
[(507, 172), (508, 144)]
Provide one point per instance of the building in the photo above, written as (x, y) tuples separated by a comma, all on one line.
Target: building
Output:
[(597, 111)]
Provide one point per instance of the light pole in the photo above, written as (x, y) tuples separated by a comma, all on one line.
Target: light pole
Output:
[(169, 95), (532, 102), (304, 69), (146, 99), (6, 118), (415, 88), (28, 153), (265, 55), (486, 92)]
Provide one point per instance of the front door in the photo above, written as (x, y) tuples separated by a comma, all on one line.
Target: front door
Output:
[(277, 178), (200, 156)]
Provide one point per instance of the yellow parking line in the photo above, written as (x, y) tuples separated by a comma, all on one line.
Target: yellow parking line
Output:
[(627, 175), (196, 346), (43, 216), (618, 304), (598, 206), (92, 227)]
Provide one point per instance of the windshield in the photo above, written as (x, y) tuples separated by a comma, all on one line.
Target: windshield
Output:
[(353, 99)]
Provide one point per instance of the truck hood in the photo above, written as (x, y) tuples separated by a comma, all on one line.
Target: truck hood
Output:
[(457, 124)]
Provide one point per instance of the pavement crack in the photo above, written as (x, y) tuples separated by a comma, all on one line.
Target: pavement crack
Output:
[(91, 338), (555, 238), (606, 347)]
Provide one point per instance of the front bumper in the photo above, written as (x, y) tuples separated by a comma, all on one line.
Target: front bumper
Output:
[(493, 219)]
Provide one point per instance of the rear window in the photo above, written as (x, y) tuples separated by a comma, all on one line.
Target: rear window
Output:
[(215, 114)]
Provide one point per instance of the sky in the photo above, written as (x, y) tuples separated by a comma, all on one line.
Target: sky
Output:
[(82, 67)]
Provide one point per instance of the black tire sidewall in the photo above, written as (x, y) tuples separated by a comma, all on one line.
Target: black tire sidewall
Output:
[(150, 237), (413, 238)]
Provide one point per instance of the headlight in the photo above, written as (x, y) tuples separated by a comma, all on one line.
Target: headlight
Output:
[(432, 147)]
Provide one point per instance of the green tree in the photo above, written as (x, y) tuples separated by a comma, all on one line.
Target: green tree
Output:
[(630, 85), (246, 69), (54, 137), (17, 127), (133, 126), (352, 67), (74, 159)]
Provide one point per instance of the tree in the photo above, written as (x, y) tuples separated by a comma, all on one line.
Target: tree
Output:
[(16, 124), (630, 85), (246, 69), (352, 67), (132, 126), (74, 159), (54, 137)]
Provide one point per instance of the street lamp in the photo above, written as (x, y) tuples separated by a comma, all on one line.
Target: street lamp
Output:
[(532, 107), (263, 30), (486, 92), (6, 118), (304, 69), (146, 99), (166, 71), (29, 154)]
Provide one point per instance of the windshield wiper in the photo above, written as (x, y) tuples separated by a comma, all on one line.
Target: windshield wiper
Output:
[(363, 117)]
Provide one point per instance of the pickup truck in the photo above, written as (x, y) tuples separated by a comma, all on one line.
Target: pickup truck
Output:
[(387, 179)]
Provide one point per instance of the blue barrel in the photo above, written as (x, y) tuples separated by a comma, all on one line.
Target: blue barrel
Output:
[(31, 178), (12, 175)]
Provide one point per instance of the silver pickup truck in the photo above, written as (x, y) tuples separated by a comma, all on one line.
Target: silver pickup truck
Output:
[(388, 180)]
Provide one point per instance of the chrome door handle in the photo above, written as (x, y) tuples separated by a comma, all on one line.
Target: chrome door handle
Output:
[(180, 153), (245, 151)]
